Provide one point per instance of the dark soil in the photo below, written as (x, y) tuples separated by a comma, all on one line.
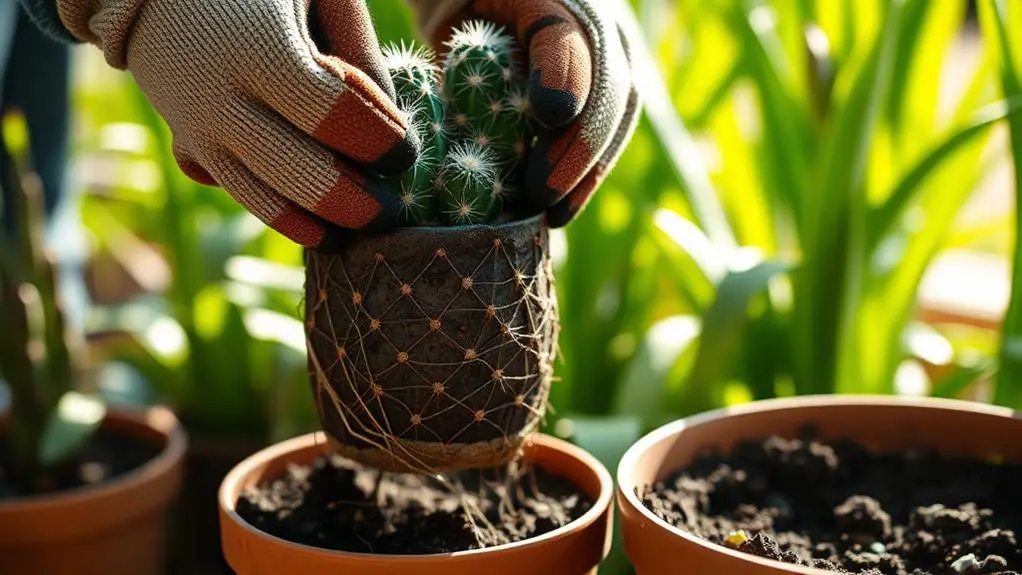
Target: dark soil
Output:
[(332, 505), (840, 507), (106, 456)]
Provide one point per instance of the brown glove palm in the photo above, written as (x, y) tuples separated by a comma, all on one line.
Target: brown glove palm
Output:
[(292, 128)]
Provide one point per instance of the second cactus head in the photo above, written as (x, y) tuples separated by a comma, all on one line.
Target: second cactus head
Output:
[(417, 84), (485, 91)]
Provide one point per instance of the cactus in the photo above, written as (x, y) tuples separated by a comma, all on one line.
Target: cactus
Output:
[(475, 125), (467, 184), (485, 92), (416, 81), (39, 356)]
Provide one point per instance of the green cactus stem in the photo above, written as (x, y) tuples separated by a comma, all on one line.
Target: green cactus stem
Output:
[(416, 81), (478, 71), (486, 92), (467, 185)]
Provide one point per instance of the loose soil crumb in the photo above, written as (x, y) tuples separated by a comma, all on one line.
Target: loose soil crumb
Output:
[(335, 504), (843, 508), (105, 457)]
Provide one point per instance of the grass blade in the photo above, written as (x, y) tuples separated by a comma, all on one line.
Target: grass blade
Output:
[(830, 281), (641, 390), (722, 327), (883, 218), (995, 18), (674, 137)]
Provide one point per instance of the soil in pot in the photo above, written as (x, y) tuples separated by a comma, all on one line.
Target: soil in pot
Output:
[(341, 505), (842, 507), (106, 456)]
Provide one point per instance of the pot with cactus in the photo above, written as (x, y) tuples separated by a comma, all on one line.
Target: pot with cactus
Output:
[(431, 351), (83, 484)]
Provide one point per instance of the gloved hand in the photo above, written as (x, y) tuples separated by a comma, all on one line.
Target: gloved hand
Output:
[(580, 85), (254, 106)]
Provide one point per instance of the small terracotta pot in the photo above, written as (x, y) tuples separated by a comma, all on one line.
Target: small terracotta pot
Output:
[(114, 528), (575, 549), (885, 423), (432, 348)]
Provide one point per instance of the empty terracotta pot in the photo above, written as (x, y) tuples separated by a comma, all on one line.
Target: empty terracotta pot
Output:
[(884, 423), (575, 549), (117, 527)]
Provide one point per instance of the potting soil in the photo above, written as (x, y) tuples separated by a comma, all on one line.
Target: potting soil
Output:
[(840, 507), (341, 505), (105, 457)]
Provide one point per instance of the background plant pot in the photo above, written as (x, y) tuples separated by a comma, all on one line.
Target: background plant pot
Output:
[(195, 543), (114, 528), (575, 549), (885, 423), (436, 344)]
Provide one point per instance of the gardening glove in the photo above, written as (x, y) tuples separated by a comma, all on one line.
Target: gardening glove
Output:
[(284, 103), (581, 88)]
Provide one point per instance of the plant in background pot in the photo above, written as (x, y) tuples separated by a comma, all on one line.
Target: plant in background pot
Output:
[(218, 283), (81, 483), (431, 354), (828, 484)]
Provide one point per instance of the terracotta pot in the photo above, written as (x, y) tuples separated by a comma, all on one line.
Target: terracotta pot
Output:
[(427, 321), (575, 549), (885, 423), (195, 539), (114, 528)]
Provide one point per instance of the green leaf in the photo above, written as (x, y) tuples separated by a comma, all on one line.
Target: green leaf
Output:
[(640, 391), (722, 327), (882, 219), (607, 439), (1004, 22), (14, 129), (70, 425), (830, 285), (676, 140), (957, 380), (785, 115), (905, 57)]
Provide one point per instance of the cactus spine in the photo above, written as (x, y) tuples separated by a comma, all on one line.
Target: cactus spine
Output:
[(476, 126), (485, 91), (466, 195), (416, 81)]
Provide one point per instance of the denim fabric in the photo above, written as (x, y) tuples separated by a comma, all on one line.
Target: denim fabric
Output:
[(35, 77), (44, 14)]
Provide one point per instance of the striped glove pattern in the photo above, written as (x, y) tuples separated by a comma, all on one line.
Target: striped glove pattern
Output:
[(581, 87), (286, 103), (294, 120)]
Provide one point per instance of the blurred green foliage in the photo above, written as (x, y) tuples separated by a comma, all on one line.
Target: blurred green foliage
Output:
[(798, 167), (209, 322)]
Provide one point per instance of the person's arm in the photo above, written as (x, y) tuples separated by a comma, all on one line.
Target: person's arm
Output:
[(291, 113), (581, 88), (44, 14)]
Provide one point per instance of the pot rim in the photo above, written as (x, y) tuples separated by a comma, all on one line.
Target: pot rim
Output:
[(157, 418), (539, 219), (233, 481), (626, 482)]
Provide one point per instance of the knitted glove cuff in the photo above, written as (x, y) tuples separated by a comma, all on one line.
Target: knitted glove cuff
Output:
[(105, 23), (44, 14)]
